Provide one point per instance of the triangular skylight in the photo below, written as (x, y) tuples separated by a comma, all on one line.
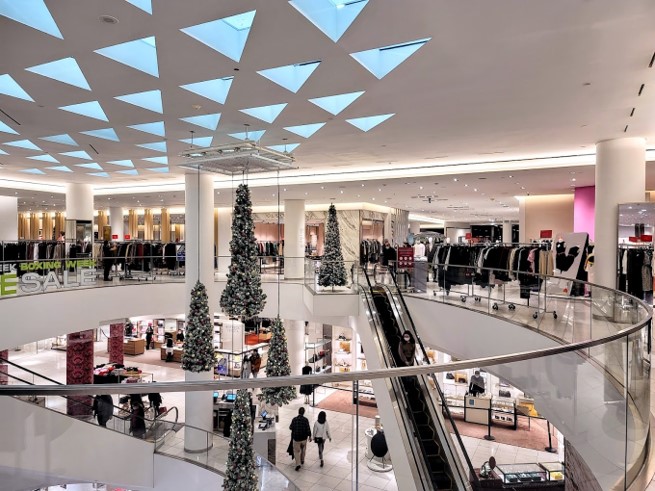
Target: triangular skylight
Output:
[(151, 100), (215, 90), (305, 130), (45, 158), (145, 5), (380, 61), (334, 104), (333, 17), (265, 113), (131, 172), (252, 135), (32, 13), (203, 141), (152, 128), (66, 70), (79, 154), (10, 87), (291, 77), (98, 174), (33, 171), (140, 54), (289, 147), (157, 160), (23, 144), (90, 165), (6, 129), (64, 139), (90, 109), (104, 133), (369, 122), (209, 121), (157, 146), (227, 36), (121, 163), (60, 168), (159, 169), (2, 152)]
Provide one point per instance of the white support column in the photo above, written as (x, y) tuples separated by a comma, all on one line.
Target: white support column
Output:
[(8, 218), (415, 227), (507, 232), (294, 238), (116, 221), (199, 242), (620, 178), (79, 201), (224, 238), (295, 331)]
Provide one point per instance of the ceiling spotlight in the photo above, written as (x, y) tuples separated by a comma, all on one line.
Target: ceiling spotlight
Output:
[(455, 179), (341, 191), (466, 185), (284, 189), (362, 185), (573, 179), (522, 187), (109, 19), (475, 189), (420, 187), (322, 187)]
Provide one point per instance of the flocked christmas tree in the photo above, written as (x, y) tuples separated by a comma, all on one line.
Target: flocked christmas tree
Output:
[(198, 353), (332, 271), (278, 366), (240, 474), (243, 295)]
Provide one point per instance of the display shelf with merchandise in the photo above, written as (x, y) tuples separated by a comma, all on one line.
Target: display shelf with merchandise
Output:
[(317, 355), (229, 363)]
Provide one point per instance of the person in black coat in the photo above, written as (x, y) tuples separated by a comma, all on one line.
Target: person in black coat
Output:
[(138, 419), (149, 332), (307, 389), (107, 259)]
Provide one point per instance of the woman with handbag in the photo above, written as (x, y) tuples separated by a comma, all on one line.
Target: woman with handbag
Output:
[(321, 432)]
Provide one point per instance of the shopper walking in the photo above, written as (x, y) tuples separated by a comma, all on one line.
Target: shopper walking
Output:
[(407, 349), (155, 401), (476, 387), (103, 409), (107, 259), (321, 432), (300, 434), (138, 419), (149, 332), (255, 363)]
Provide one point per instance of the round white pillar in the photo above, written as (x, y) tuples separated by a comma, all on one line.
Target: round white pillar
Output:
[(294, 238), (116, 222), (79, 201), (295, 331), (507, 232), (415, 227), (8, 218), (620, 178), (224, 238), (199, 247)]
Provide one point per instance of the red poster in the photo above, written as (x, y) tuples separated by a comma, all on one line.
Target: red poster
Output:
[(546, 234), (646, 238), (114, 237), (405, 257), (468, 236), (127, 236)]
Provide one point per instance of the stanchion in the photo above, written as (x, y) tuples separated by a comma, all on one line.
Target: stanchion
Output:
[(550, 448), (489, 436)]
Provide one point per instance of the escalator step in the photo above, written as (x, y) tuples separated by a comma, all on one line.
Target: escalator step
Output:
[(430, 447), (442, 481)]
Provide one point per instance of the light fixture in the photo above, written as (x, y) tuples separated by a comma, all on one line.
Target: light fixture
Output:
[(455, 179)]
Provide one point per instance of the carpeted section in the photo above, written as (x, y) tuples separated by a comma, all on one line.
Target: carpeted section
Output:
[(531, 434), (342, 402)]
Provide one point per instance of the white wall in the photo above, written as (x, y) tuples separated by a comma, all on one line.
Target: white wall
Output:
[(548, 212), (8, 218), (40, 442)]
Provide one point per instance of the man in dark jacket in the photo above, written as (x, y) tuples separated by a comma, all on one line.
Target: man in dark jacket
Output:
[(300, 434)]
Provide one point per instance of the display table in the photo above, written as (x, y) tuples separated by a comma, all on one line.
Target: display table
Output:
[(263, 441), (134, 346), (177, 354), (477, 409)]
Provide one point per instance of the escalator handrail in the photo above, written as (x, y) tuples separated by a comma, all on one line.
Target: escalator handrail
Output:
[(388, 355), (434, 379)]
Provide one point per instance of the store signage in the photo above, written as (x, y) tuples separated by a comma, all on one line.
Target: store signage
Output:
[(546, 234), (34, 279), (114, 237), (405, 257), (646, 238), (468, 236), (128, 236)]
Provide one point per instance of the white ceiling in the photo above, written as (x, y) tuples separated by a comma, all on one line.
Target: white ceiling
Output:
[(498, 80)]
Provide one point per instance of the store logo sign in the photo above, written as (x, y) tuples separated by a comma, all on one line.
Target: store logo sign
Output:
[(31, 281)]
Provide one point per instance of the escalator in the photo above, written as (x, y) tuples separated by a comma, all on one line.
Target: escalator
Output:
[(425, 426)]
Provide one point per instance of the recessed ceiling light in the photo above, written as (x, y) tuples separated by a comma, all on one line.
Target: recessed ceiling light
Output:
[(373, 199), (455, 179), (322, 187), (341, 191), (522, 187), (475, 189), (573, 179), (466, 185), (109, 19), (284, 189), (511, 177), (362, 185), (420, 187)]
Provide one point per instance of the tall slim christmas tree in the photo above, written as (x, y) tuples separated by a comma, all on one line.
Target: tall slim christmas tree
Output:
[(243, 295), (332, 271), (198, 353), (240, 474), (278, 366)]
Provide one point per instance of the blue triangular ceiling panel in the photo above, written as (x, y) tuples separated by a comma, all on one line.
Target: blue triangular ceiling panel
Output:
[(228, 36), (90, 165), (26, 144), (380, 61), (265, 113), (150, 100), (140, 54), (6, 129), (121, 163), (334, 104), (215, 90), (305, 130), (369, 122), (45, 158), (79, 154), (66, 70), (91, 109), (32, 13), (332, 17), (252, 135), (10, 87), (145, 5), (291, 77), (60, 168), (288, 148), (157, 146), (156, 128), (105, 134), (157, 160), (203, 141), (209, 121), (64, 139)]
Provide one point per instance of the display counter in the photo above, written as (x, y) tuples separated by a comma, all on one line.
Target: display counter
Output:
[(177, 354), (134, 346)]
